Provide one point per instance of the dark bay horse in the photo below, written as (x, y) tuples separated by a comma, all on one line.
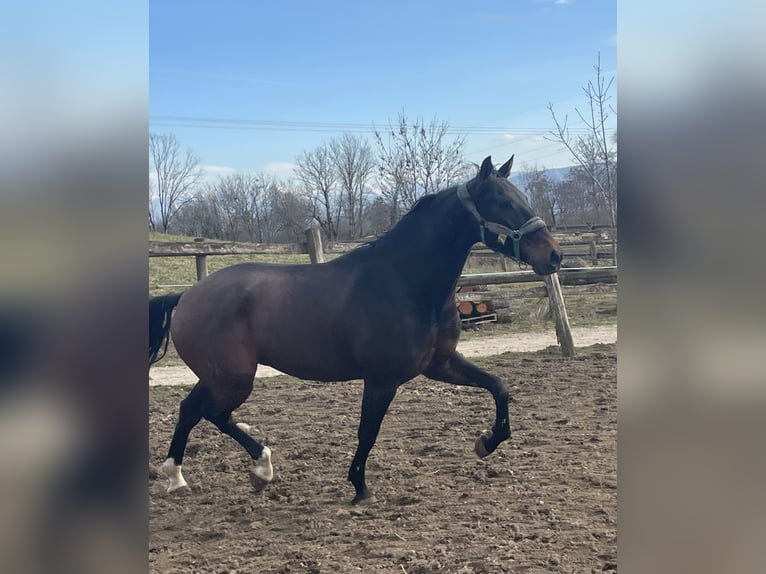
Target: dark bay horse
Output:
[(383, 313)]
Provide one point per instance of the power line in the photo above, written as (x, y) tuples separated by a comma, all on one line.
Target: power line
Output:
[(288, 126)]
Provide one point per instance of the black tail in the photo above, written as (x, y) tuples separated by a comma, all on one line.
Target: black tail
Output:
[(160, 313)]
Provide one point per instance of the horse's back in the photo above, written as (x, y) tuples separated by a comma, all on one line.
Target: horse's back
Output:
[(278, 315), (330, 322)]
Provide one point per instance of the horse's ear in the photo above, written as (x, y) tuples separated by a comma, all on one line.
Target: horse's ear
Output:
[(505, 169), (486, 168)]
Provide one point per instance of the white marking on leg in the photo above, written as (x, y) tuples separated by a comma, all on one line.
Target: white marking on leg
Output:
[(245, 427), (262, 468), (173, 473)]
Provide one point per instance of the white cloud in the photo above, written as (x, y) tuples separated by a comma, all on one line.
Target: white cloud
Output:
[(210, 173), (280, 169), (218, 169), (213, 172)]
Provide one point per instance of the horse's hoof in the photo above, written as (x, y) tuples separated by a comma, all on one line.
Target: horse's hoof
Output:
[(364, 499), (179, 489), (262, 472), (176, 482), (258, 483), (480, 446)]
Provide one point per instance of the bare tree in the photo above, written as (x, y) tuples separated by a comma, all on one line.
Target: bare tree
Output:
[(256, 217), (242, 202), (316, 171), (416, 159), (200, 217), (355, 164), (378, 216), (176, 174), (230, 199), (290, 212), (542, 194), (572, 198), (246, 207), (394, 177), (595, 153)]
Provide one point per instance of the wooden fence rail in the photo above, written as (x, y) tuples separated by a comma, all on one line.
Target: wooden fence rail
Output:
[(592, 250), (567, 276), (193, 248), (190, 248)]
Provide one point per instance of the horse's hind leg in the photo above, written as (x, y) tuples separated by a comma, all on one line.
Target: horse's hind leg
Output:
[(226, 396), (215, 402), (190, 413), (262, 472)]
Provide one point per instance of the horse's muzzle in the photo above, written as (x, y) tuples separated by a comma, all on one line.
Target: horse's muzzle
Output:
[(556, 258), (551, 266)]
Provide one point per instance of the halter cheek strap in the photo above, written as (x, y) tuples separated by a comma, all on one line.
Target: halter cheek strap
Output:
[(502, 231)]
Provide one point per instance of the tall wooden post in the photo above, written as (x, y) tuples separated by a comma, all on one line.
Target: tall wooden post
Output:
[(314, 244), (593, 251), (563, 331), (201, 261)]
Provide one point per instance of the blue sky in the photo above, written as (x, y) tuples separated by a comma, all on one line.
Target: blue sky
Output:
[(488, 68)]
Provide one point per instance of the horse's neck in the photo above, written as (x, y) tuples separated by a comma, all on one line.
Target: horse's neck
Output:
[(429, 246)]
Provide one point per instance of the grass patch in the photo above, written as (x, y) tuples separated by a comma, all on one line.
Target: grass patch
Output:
[(183, 270), (528, 314)]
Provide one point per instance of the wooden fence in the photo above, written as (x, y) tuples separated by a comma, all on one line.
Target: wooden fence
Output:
[(596, 253), (591, 246), (566, 275), (200, 250)]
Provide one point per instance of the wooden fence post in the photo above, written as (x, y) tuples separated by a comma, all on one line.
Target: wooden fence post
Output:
[(314, 244), (593, 252), (563, 331), (201, 261)]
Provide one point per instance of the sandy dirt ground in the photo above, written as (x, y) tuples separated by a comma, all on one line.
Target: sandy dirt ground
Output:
[(545, 501), (479, 347)]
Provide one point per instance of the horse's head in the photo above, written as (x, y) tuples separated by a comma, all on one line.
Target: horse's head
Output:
[(506, 221)]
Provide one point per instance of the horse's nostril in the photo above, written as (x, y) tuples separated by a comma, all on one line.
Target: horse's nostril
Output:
[(556, 257)]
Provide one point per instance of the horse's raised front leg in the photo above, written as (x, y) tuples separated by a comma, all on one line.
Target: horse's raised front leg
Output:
[(376, 399), (459, 371)]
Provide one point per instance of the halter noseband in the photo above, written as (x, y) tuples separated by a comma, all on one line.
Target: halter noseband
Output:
[(502, 231)]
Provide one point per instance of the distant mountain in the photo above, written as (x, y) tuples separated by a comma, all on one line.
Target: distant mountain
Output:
[(558, 174), (555, 175)]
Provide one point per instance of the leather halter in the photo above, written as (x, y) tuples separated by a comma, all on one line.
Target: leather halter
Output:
[(503, 232)]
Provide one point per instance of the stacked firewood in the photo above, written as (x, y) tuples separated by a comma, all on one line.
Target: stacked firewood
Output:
[(474, 301)]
